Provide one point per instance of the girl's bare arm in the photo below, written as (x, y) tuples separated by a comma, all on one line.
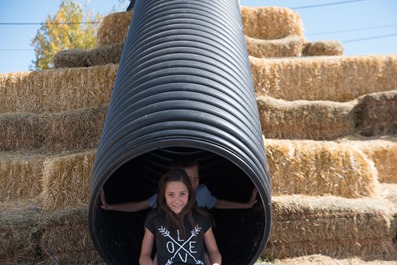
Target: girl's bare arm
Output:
[(212, 248)]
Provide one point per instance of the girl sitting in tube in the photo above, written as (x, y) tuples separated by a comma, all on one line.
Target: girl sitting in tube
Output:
[(181, 231), (203, 196)]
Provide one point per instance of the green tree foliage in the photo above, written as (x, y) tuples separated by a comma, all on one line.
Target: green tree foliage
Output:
[(70, 28)]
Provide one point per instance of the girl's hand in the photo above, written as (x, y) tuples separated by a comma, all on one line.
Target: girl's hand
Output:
[(253, 199), (104, 205)]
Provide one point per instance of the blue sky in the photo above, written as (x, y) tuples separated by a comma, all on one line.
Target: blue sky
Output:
[(364, 26)]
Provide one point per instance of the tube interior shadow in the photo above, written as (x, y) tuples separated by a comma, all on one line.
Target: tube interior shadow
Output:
[(239, 233)]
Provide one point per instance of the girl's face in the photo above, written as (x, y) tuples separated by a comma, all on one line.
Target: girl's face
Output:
[(176, 196), (193, 174)]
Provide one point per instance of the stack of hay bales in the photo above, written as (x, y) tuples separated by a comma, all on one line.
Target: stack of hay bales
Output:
[(329, 122), (269, 32), (50, 124)]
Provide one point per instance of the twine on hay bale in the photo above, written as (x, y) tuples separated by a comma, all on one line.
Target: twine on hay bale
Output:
[(382, 151), (66, 180), (286, 47), (18, 236), (320, 168), (333, 78), (56, 90), (317, 120), (65, 236), (376, 113), (114, 28), (332, 226), (20, 176), (322, 48), (53, 132)]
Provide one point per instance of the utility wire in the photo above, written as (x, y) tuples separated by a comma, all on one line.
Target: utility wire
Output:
[(370, 38), (44, 23), (344, 41), (15, 50), (351, 30), (327, 4)]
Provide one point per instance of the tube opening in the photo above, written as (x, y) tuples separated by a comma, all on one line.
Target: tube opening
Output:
[(241, 234)]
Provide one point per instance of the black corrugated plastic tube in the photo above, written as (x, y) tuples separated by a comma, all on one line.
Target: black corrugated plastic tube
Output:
[(183, 87)]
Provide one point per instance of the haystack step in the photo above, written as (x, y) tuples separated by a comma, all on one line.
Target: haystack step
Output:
[(29, 236), (333, 78), (348, 168), (336, 78), (370, 115), (302, 225), (333, 226), (52, 132), (56, 90)]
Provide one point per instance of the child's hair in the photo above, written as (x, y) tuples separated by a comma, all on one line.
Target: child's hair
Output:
[(171, 220), (183, 162)]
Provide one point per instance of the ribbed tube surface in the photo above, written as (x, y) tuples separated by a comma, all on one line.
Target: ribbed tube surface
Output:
[(183, 87)]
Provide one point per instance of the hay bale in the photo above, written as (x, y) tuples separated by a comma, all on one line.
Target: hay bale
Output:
[(18, 236), (65, 235), (56, 90), (20, 176), (66, 180), (286, 47), (107, 54), (322, 48), (114, 28), (376, 113), (80, 129), (269, 23), (320, 168), (19, 131), (66, 238), (73, 130), (382, 151), (331, 226), (333, 78), (71, 58), (316, 120), (325, 260)]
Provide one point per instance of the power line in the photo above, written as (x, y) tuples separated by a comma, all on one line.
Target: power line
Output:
[(44, 23), (370, 38), (351, 30), (15, 50), (327, 4)]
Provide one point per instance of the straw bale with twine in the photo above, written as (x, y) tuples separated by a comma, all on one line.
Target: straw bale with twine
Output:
[(320, 168), (376, 113), (317, 120), (382, 151), (331, 225), (322, 48), (286, 47), (66, 180), (107, 54), (114, 28), (65, 237), (56, 90), (18, 236), (53, 132), (333, 78), (20, 176)]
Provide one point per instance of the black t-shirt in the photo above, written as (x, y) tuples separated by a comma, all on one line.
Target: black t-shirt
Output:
[(172, 248)]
